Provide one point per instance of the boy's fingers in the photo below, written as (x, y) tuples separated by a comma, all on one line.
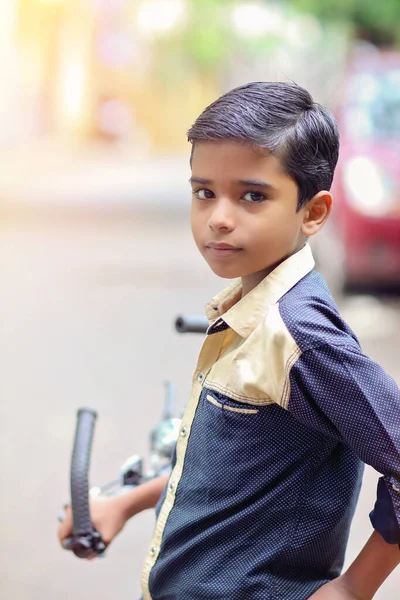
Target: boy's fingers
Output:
[(65, 527)]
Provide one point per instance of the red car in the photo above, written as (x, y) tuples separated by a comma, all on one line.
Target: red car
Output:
[(361, 246)]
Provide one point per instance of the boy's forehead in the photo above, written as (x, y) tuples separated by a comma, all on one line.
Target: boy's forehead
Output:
[(206, 148), (233, 158)]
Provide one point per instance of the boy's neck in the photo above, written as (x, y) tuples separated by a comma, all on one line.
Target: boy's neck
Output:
[(249, 282)]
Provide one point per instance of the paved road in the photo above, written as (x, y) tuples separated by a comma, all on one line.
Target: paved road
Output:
[(86, 319)]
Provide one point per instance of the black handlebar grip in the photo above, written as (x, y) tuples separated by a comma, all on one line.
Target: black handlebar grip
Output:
[(82, 525), (191, 324)]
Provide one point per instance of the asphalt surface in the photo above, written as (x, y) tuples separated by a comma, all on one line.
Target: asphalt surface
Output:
[(86, 319)]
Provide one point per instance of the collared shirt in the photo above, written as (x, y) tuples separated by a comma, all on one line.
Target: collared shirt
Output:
[(285, 409)]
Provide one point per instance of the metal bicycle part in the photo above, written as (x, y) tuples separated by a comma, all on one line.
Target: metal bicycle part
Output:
[(131, 473)]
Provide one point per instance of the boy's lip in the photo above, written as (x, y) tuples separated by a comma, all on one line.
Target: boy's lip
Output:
[(221, 246), (220, 250)]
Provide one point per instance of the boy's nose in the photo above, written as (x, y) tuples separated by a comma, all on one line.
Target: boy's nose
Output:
[(222, 216)]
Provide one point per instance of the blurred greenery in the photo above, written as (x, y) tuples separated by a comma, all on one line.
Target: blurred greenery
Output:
[(209, 38), (206, 39), (375, 21)]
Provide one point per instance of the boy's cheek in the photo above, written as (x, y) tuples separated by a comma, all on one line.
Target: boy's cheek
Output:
[(198, 231)]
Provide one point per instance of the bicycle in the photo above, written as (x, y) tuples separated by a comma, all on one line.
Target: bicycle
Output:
[(86, 540)]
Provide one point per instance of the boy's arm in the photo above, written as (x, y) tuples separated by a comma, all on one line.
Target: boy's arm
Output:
[(365, 575), (340, 392), (142, 497)]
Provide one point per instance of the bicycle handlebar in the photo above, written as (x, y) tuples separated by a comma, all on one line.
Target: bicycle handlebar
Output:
[(191, 324), (85, 540)]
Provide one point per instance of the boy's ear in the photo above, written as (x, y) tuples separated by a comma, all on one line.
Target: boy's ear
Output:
[(316, 212)]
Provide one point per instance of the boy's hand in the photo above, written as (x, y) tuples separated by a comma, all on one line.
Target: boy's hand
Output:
[(336, 590), (107, 517), (365, 575), (110, 514)]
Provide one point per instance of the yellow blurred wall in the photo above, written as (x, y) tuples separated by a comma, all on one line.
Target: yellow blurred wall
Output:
[(60, 63)]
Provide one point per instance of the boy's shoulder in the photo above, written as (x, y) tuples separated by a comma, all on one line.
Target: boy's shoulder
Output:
[(312, 317), (273, 336)]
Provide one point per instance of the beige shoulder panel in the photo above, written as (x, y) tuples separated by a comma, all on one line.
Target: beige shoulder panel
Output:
[(256, 370)]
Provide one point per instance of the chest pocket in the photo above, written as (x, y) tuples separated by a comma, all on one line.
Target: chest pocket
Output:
[(230, 408), (229, 423), (228, 437)]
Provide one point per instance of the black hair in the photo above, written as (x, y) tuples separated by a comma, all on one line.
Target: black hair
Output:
[(283, 119)]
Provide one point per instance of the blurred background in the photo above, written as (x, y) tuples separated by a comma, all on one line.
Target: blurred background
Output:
[(96, 257)]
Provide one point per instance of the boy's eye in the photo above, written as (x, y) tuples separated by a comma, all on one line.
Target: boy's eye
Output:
[(254, 197), (204, 194)]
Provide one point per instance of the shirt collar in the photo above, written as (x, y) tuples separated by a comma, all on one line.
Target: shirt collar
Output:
[(244, 314)]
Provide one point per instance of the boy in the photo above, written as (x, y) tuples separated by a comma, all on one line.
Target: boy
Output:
[(284, 405)]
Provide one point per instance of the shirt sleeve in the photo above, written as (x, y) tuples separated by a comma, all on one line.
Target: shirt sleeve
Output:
[(343, 394)]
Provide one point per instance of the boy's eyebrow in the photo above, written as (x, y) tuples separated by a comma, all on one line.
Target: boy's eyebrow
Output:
[(244, 182), (199, 180), (257, 183)]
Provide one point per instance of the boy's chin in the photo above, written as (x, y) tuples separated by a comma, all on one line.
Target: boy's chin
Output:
[(225, 272)]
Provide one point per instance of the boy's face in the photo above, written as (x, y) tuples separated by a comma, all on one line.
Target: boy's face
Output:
[(244, 211)]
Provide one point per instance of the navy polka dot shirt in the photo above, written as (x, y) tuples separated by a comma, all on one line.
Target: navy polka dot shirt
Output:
[(285, 410)]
